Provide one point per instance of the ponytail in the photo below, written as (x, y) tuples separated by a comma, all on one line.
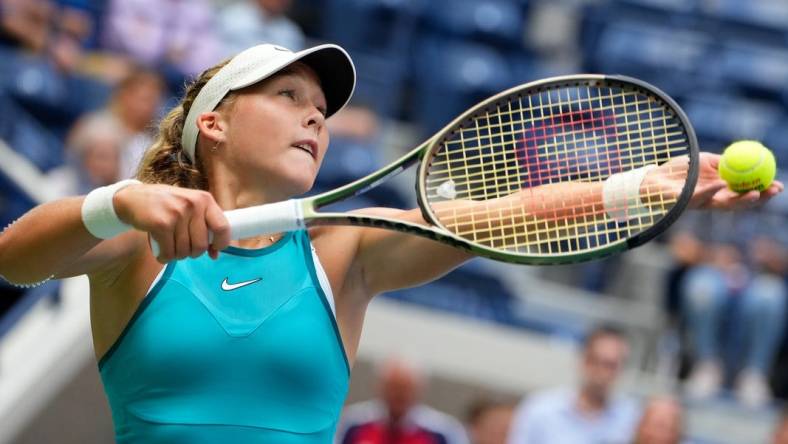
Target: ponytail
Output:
[(165, 162)]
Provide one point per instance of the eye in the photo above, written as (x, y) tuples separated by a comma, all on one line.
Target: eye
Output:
[(290, 93)]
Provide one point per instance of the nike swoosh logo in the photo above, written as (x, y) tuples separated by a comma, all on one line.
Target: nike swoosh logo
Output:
[(226, 286)]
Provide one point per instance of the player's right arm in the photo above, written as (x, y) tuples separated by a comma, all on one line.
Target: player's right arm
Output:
[(51, 239)]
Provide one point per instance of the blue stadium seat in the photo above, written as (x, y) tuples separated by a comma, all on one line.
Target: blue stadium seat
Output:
[(54, 98), (381, 82), (452, 75), (379, 36), (673, 59), (719, 119), (13, 202), (464, 292), (497, 22), (757, 69), (372, 26), (348, 160), (777, 139), (28, 136), (678, 6), (762, 13)]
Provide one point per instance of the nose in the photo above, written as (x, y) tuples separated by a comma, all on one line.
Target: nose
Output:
[(314, 118)]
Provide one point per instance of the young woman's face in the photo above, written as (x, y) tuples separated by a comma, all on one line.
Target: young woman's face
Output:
[(276, 132)]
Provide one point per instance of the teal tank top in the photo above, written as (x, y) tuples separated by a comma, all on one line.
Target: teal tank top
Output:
[(241, 349)]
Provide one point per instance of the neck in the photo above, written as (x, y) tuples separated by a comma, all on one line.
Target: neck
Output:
[(231, 194), (590, 402)]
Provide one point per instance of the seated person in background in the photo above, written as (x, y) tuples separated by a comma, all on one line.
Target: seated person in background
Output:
[(489, 421), (134, 106), (92, 157), (398, 417), (780, 434), (591, 413), (177, 38), (662, 422), (750, 300), (25, 23)]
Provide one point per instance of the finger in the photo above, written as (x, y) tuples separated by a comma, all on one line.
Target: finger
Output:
[(219, 227), (198, 233), (713, 159), (165, 243), (181, 237), (746, 200)]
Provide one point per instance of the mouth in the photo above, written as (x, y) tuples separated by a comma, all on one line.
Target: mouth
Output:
[(310, 146)]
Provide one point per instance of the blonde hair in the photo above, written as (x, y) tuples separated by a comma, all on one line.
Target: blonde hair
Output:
[(165, 161)]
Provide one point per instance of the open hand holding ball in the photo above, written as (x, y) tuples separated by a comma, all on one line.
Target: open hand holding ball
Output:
[(747, 165)]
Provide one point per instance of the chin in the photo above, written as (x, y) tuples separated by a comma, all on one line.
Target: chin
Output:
[(300, 183)]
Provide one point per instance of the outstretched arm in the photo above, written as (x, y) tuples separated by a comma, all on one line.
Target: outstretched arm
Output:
[(393, 260)]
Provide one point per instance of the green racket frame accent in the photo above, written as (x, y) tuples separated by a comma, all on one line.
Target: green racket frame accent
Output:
[(423, 153)]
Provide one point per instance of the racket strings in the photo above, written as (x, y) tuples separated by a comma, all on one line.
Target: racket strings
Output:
[(547, 172), (542, 142)]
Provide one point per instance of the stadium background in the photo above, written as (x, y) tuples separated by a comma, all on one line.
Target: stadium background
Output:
[(486, 327)]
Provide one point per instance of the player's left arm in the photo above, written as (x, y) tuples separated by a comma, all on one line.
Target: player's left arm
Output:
[(391, 260)]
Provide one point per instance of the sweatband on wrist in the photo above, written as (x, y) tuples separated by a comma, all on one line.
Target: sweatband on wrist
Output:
[(98, 211), (621, 194)]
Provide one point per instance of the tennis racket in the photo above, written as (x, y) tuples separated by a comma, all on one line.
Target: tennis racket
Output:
[(519, 177)]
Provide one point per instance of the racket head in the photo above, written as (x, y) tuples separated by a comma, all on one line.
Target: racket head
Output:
[(579, 128)]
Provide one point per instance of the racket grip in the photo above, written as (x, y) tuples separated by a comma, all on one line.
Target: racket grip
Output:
[(258, 220)]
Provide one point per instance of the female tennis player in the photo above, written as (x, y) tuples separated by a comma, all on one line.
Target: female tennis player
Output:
[(252, 342)]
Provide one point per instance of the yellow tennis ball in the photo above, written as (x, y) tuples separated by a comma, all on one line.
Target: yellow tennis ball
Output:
[(747, 165)]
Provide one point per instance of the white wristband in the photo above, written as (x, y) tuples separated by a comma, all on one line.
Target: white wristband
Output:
[(621, 194), (98, 211)]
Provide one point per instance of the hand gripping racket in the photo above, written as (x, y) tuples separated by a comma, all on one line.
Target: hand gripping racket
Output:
[(530, 175)]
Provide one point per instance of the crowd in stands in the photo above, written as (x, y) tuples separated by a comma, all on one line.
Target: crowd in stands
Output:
[(83, 81), (728, 301)]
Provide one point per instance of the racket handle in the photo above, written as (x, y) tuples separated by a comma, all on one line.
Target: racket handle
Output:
[(258, 220)]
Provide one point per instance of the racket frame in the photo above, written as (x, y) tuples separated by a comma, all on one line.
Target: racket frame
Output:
[(423, 154)]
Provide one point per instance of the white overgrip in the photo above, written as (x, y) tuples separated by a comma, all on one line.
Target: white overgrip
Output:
[(265, 219), (259, 220)]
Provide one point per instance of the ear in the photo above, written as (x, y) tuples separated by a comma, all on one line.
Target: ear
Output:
[(213, 127)]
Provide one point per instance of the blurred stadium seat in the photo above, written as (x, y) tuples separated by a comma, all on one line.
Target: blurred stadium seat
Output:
[(13, 201), (758, 70), (452, 75), (497, 22), (719, 119), (465, 292), (771, 14), (671, 58), (28, 135)]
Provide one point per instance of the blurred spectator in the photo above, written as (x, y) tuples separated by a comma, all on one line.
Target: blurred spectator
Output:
[(591, 413), (26, 23), (780, 434), (398, 417), (133, 108), (748, 305), (662, 422), (93, 157), (176, 37), (489, 421), (58, 30), (248, 23)]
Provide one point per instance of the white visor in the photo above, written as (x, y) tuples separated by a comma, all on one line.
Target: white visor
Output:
[(331, 63)]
